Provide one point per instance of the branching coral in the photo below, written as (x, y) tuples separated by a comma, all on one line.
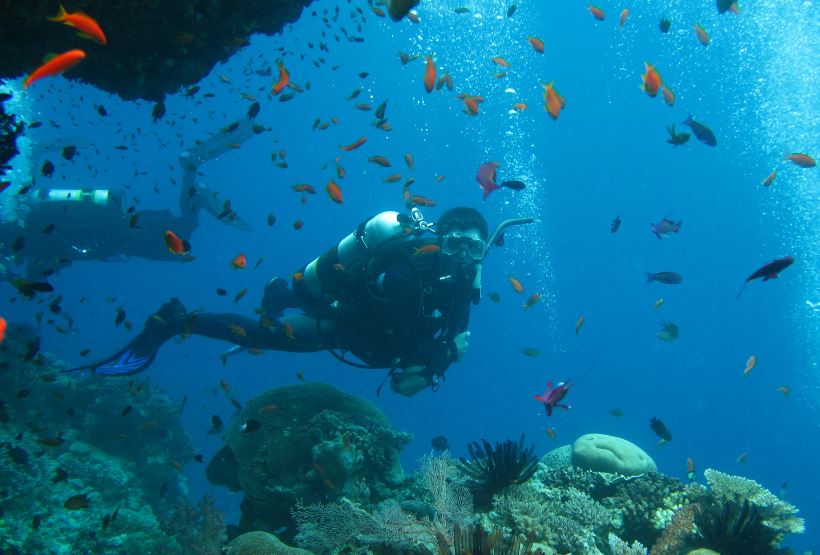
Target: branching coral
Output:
[(565, 519), (491, 469), (774, 512)]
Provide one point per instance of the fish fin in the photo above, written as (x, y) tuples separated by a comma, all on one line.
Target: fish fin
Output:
[(649, 277), (84, 35), (60, 16), (688, 120), (739, 293)]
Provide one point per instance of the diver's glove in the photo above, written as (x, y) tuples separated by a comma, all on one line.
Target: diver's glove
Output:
[(410, 381), (461, 344), (165, 323)]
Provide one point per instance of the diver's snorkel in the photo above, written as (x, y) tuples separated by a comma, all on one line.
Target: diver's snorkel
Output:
[(499, 229)]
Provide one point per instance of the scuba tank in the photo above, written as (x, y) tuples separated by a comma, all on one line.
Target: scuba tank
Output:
[(98, 197), (322, 280)]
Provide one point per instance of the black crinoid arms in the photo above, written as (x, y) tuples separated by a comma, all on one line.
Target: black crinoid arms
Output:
[(491, 469), (733, 528)]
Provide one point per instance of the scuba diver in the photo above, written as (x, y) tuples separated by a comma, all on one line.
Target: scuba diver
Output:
[(395, 293), (61, 226)]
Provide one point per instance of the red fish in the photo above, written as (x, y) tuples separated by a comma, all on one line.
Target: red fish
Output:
[(429, 74), (239, 261), (769, 271), (623, 16), (3, 327), (552, 397), (334, 191), (703, 36), (651, 81), (354, 146), (175, 244), (802, 160), (486, 178), (668, 96), (516, 285), (284, 79), (596, 12), (55, 66), (87, 27), (553, 102), (536, 43)]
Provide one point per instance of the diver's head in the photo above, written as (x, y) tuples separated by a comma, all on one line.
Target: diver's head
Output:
[(463, 233)]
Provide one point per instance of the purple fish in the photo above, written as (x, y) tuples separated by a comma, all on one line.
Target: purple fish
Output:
[(486, 178), (769, 271), (663, 228)]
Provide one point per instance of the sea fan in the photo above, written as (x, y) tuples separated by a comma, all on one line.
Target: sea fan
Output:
[(475, 540), (491, 469), (733, 528)]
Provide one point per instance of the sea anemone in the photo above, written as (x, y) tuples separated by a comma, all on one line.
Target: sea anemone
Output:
[(733, 527), (491, 469)]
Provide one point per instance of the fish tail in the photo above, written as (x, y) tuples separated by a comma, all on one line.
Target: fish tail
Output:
[(688, 120), (739, 293), (60, 16), (649, 277)]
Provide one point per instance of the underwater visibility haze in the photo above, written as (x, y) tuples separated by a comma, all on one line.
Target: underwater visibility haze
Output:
[(629, 364)]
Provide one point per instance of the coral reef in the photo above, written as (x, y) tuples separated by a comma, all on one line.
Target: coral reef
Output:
[(491, 469), (314, 443), (733, 528), (563, 519), (475, 540), (261, 543), (774, 512), (327, 528), (604, 453), (619, 547), (154, 47), (91, 465)]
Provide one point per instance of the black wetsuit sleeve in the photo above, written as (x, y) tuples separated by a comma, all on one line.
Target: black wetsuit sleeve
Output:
[(437, 354)]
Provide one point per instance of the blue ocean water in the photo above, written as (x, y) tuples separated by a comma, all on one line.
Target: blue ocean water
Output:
[(755, 85)]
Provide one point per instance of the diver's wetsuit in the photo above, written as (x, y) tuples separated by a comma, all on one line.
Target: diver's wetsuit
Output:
[(93, 225), (401, 309)]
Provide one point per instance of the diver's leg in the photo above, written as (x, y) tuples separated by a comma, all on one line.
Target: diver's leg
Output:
[(194, 196), (168, 321)]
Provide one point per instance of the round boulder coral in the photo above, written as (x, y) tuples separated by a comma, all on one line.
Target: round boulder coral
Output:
[(603, 453)]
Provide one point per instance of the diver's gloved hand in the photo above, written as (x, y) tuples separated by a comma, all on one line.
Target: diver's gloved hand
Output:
[(409, 381), (461, 344)]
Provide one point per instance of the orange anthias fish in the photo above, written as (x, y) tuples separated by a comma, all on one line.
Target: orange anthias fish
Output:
[(596, 12), (750, 363), (668, 96), (429, 74), (784, 389), (553, 102), (408, 159), (501, 61), (427, 249), (579, 324), (703, 36), (769, 179), (534, 299), (87, 27), (802, 160), (354, 146), (3, 327), (516, 285), (623, 16), (651, 81), (690, 469), (334, 191), (520, 106), (239, 261), (536, 43), (284, 79), (175, 244), (55, 66)]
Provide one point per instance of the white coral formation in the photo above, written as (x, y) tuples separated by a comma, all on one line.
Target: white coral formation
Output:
[(776, 513), (620, 547)]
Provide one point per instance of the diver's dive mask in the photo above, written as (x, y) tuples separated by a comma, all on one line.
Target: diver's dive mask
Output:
[(464, 244)]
